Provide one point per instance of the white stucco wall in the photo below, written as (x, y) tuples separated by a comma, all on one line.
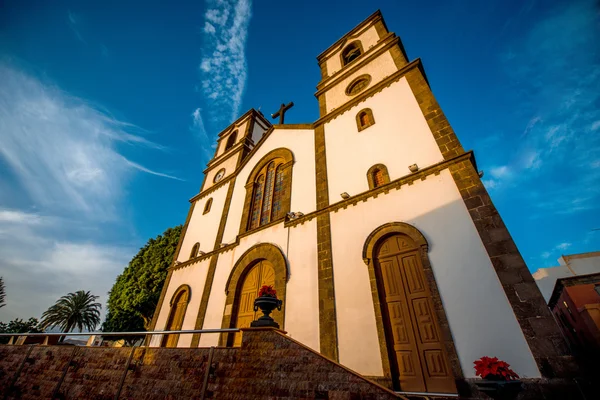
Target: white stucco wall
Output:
[(379, 68), (257, 132), (399, 138), (368, 38), (193, 275), (301, 143), (479, 314), (302, 303), (203, 228)]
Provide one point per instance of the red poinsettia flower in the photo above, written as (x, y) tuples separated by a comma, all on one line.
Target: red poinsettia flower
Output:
[(492, 368), (267, 290)]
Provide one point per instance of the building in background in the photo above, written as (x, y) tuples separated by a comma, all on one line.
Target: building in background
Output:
[(569, 265), (572, 290)]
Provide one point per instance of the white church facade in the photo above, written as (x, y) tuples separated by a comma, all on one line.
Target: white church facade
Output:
[(373, 226)]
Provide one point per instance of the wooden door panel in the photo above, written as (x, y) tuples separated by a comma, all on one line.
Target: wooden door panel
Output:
[(414, 336), (261, 274), (426, 326), (414, 278)]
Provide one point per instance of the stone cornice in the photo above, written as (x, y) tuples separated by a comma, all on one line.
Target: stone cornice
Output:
[(370, 19), (213, 188), (393, 185), (396, 76), (385, 44), (293, 126)]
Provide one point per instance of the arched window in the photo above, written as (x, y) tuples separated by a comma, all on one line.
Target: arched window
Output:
[(377, 176), (268, 190), (179, 303), (231, 140), (351, 52), (207, 206), (364, 119), (194, 252), (358, 85)]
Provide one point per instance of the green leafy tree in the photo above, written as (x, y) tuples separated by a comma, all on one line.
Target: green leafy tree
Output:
[(134, 296), (75, 310), (19, 326), (2, 293)]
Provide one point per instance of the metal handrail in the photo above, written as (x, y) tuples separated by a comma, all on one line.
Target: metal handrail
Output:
[(143, 333)]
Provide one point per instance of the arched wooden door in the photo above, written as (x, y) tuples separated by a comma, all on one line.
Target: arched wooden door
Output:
[(260, 274), (417, 357), (175, 321)]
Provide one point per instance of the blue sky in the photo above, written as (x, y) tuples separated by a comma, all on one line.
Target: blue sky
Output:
[(109, 111)]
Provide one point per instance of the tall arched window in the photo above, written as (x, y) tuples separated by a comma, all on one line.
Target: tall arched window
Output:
[(364, 119), (268, 190), (231, 140), (377, 176), (179, 303), (351, 52), (194, 251)]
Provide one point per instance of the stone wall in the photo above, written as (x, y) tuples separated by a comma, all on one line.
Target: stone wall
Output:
[(268, 365)]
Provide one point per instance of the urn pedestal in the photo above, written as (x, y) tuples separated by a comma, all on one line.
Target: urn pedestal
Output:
[(266, 304)]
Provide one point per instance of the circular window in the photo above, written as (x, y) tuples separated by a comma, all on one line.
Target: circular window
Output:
[(358, 85), (219, 175)]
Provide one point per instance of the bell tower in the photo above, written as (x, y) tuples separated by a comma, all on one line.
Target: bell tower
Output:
[(359, 60), (233, 144)]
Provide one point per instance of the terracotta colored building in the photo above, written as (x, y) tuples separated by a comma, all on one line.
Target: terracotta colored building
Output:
[(575, 303)]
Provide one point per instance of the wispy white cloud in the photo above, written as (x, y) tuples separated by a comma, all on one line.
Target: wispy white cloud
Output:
[(62, 150), (223, 67), (555, 67), (59, 156), (74, 22), (561, 247)]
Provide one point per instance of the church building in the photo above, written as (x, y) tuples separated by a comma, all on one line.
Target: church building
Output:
[(373, 226)]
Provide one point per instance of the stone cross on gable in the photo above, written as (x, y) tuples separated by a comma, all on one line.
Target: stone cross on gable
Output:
[(281, 113)]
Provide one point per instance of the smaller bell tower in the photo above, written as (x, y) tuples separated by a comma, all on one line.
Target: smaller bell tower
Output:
[(233, 144)]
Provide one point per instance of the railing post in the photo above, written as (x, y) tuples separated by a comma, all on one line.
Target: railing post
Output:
[(125, 373), (207, 372), (64, 374)]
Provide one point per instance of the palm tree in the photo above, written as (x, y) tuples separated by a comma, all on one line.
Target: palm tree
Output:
[(75, 310), (2, 293)]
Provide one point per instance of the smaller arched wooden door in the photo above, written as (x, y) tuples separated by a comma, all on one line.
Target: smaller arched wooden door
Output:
[(262, 273), (417, 355), (176, 315)]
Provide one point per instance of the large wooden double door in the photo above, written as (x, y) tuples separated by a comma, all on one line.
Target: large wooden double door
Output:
[(418, 360), (261, 274)]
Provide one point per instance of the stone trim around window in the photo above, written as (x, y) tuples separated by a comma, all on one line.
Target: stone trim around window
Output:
[(262, 251), (371, 175), (369, 247), (207, 206), (288, 161), (188, 293), (358, 84), (371, 121), (358, 44)]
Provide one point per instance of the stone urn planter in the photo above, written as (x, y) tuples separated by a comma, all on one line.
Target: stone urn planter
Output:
[(500, 389), (498, 380), (266, 301)]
